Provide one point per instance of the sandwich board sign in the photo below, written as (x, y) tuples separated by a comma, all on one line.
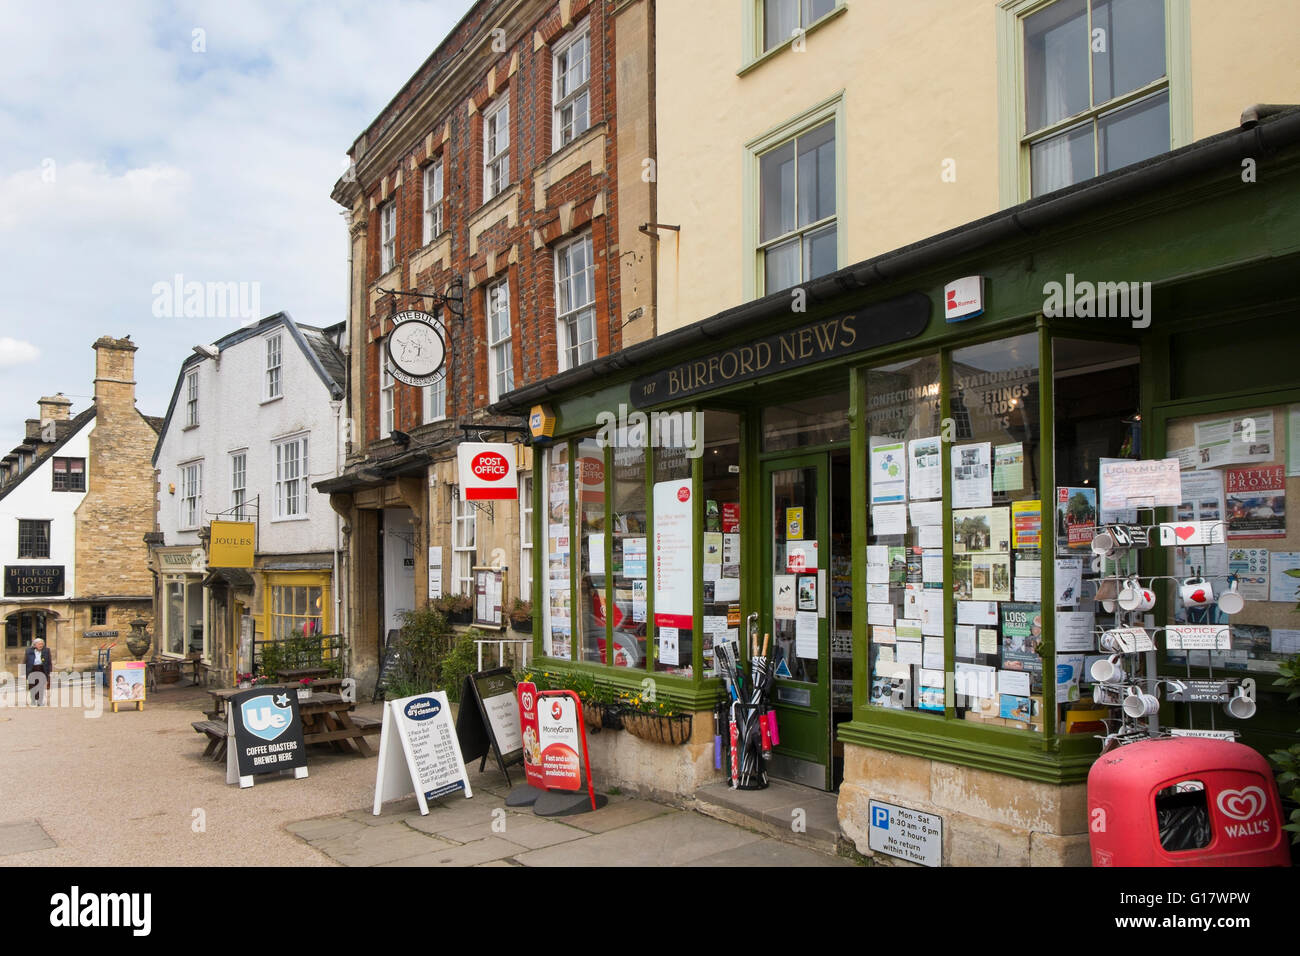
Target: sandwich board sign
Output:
[(491, 724), (265, 730), (553, 732), (418, 750)]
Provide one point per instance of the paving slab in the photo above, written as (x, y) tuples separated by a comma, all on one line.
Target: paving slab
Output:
[(469, 854), (617, 813), (23, 836), (324, 828), (370, 846), (468, 813), (820, 819), (532, 834), (769, 853), (672, 839)]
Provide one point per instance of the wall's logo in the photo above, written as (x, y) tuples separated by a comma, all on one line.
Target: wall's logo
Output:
[(1244, 804), (527, 700), (489, 466), (267, 717)]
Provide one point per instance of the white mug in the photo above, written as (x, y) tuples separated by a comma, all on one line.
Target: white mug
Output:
[(1108, 671), (1110, 642), (1196, 592), (1134, 597), (1231, 601), (1104, 545), (1140, 704), (1239, 705)]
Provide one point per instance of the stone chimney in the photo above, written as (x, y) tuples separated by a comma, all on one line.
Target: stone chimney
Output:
[(114, 376), (54, 407)]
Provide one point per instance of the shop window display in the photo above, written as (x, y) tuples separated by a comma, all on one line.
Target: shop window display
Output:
[(721, 571), (557, 630), (630, 564), (905, 543), (589, 475), (673, 534), (997, 555)]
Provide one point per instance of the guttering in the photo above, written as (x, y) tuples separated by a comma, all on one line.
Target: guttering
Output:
[(1265, 130)]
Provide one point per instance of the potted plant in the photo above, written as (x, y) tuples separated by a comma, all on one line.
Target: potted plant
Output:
[(655, 720), (458, 608), (304, 689), (521, 616)]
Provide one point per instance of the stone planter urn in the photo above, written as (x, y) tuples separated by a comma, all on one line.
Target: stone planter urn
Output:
[(138, 642)]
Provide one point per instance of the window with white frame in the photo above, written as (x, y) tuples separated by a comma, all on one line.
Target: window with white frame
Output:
[(191, 482), (435, 400), (238, 484), (575, 302), (192, 398), (797, 220), (291, 476), (274, 356), (1095, 76), (782, 19), (388, 236), (525, 535), (462, 543), (571, 87), (496, 147), (432, 200), (387, 400), (500, 360)]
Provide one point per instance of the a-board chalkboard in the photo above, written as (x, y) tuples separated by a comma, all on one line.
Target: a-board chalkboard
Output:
[(489, 719), (266, 735), (388, 664)]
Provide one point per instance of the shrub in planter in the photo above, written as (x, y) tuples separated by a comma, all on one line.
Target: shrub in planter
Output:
[(654, 720), (459, 663), (521, 616), (424, 641), (457, 608)]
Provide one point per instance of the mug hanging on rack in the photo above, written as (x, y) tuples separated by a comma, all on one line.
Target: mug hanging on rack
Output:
[(1231, 601)]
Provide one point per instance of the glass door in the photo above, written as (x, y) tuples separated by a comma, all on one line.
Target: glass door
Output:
[(795, 606)]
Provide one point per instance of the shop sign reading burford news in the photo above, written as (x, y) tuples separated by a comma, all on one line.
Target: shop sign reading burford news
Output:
[(896, 320)]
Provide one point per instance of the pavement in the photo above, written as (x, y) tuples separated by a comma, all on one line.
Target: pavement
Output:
[(133, 789)]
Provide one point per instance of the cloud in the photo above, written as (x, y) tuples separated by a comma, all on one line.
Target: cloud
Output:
[(17, 352)]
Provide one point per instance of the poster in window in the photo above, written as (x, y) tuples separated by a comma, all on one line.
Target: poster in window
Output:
[(1256, 502), (1076, 520), (1009, 467), (1026, 524), (1022, 637), (674, 549), (926, 464), (888, 471), (972, 476), (981, 529)]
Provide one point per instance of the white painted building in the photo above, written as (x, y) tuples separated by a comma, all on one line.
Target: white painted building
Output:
[(254, 419)]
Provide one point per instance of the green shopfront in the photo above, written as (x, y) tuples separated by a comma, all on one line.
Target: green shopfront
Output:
[(907, 503)]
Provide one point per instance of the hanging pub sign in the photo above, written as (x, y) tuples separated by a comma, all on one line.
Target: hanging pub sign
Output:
[(418, 749), (487, 471), (34, 581), (231, 544), (834, 336), (266, 728), (417, 352)]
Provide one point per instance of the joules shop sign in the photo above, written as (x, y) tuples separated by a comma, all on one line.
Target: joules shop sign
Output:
[(34, 580)]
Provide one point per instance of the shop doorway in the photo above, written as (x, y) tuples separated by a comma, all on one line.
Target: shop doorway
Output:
[(21, 628), (806, 609), (398, 565)]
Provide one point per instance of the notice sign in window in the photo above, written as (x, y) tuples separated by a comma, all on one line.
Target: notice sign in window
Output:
[(674, 554), (907, 834)]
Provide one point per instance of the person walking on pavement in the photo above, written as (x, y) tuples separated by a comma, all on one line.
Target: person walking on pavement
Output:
[(37, 665)]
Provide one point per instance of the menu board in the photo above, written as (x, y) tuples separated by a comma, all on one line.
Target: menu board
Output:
[(418, 749)]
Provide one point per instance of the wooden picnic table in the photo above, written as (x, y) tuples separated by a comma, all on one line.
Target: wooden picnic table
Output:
[(326, 719), (289, 677)]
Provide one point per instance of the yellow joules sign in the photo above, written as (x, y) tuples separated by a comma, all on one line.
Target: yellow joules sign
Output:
[(231, 544)]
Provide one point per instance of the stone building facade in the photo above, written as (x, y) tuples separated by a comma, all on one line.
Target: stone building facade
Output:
[(73, 521)]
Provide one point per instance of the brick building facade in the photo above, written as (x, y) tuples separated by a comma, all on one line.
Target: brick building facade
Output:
[(513, 172)]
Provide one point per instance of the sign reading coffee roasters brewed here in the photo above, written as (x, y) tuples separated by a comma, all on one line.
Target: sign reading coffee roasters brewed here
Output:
[(896, 320), (33, 580)]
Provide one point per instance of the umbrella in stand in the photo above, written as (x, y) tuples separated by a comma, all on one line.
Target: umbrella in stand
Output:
[(760, 669), (753, 774)]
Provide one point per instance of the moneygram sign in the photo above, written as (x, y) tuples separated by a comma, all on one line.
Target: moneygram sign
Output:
[(487, 471)]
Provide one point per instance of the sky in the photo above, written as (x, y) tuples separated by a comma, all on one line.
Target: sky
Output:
[(142, 141)]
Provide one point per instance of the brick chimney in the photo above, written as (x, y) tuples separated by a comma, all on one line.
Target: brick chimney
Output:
[(114, 376)]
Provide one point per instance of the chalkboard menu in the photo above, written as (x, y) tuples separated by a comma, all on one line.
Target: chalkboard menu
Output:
[(388, 665), (489, 719), (267, 734)]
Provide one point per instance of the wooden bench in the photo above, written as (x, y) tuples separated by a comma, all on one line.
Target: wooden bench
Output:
[(216, 732), (371, 725)]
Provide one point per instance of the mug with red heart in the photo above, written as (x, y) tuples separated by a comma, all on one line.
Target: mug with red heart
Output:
[(1134, 597), (1196, 592)]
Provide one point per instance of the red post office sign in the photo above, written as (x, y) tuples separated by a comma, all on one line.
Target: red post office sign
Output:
[(487, 471)]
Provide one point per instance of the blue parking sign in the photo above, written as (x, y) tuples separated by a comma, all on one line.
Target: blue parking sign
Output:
[(880, 817)]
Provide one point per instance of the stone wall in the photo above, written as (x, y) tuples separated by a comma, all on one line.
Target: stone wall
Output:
[(662, 772), (989, 819)]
